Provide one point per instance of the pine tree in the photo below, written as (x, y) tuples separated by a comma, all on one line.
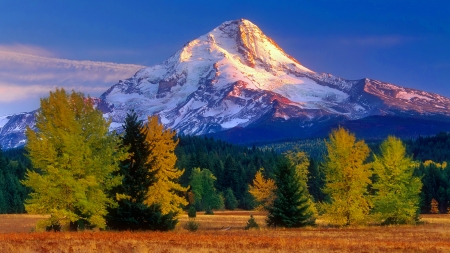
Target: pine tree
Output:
[(347, 177), (230, 200), (4, 206), (291, 206), (397, 189), (165, 189), (73, 157), (132, 213), (301, 164), (263, 190)]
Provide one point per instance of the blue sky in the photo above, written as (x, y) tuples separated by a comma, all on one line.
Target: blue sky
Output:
[(402, 42)]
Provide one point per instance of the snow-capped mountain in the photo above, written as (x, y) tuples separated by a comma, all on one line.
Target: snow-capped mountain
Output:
[(236, 82)]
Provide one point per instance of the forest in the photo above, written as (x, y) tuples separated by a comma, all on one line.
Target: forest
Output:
[(145, 176), (241, 165)]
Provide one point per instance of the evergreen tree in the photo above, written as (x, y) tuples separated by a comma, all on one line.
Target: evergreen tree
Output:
[(73, 157), (291, 205), (301, 164), (397, 190), (165, 189), (347, 179), (230, 200), (132, 213), (3, 198)]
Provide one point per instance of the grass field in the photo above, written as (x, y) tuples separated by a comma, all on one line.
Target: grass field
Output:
[(224, 232)]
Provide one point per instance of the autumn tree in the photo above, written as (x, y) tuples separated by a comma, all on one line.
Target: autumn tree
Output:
[(132, 213), (263, 190), (434, 206), (205, 194), (397, 189), (291, 205), (73, 157), (165, 189), (347, 176)]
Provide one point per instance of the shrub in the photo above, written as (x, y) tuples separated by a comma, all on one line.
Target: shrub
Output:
[(251, 223), (191, 226), (192, 212), (209, 211)]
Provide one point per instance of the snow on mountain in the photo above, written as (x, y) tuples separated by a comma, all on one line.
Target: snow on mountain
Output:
[(235, 77), (226, 78)]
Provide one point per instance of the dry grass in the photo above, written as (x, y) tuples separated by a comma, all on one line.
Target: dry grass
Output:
[(433, 236)]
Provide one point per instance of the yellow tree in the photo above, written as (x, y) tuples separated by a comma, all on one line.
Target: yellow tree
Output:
[(397, 198), (73, 157), (347, 177), (165, 189), (263, 190)]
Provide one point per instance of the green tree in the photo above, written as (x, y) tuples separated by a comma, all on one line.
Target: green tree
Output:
[(3, 198), (132, 213), (206, 196), (301, 164), (291, 205), (397, 189), (230, 200), (347, 177), (73, 157), (165, 190)]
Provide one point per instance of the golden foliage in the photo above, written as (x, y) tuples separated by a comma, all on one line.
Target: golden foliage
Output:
[(347, 178), (165, 189), (434, 206), (263, 190)]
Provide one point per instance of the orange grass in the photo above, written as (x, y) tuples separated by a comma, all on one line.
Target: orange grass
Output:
[(433, 236)]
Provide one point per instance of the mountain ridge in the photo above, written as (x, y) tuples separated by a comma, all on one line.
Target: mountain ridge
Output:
[(236, 77)]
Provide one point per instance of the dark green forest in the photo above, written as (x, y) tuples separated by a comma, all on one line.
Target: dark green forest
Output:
[(13, 165), (235, 168)]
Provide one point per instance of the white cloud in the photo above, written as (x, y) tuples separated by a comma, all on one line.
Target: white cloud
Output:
[(27, 49), (26, 77)]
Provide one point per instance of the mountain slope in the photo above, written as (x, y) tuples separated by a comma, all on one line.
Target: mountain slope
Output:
[(236, 83)]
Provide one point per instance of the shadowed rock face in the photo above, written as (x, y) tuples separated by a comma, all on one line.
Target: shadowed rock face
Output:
[(237, 82)]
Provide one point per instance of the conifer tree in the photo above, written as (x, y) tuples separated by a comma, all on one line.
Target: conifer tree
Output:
[(347, 177), (434, 206), (73, 157), (230, 200), (301, 164), (3, 198), (132, 213), (263, 190), (397, 189), (291, 205), (165, 189)]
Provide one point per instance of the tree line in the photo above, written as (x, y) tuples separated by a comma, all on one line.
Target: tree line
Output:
[(85, 176)]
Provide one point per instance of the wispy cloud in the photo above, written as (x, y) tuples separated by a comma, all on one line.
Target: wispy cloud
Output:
[(27, 49), (28, 77)]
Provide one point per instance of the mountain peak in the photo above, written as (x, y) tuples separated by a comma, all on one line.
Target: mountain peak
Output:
[(254, 45)]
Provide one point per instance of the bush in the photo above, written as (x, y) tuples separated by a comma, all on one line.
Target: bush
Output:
[(209, 211), (251, 223), (191, 226), (192, 212)]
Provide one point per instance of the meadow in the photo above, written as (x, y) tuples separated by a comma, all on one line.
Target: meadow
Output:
[(224, 232)]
